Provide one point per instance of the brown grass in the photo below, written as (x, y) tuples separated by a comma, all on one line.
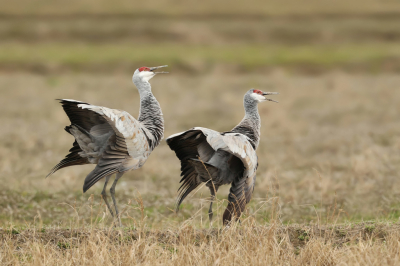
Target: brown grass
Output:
[(245, 244)]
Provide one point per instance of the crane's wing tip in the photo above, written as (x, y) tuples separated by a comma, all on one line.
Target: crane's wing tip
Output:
[(51, 172)]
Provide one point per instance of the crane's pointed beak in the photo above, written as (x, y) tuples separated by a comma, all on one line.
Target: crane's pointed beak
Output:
[(154, 68), (270, 93)]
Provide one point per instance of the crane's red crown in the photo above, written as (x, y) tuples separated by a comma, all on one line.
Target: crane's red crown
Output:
[(258, 92), (144, 69)]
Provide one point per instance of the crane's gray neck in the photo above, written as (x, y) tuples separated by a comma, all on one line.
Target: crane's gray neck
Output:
[(150, 114), (251, 123)]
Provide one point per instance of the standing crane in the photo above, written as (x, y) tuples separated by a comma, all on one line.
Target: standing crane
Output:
[(112, 139), (217, 159)]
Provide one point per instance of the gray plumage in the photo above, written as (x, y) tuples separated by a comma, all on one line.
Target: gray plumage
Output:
[(112, 139), (217, 159)]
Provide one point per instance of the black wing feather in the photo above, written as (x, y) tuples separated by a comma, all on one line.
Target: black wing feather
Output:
[(112, 158), (185, 147), (73, 158)]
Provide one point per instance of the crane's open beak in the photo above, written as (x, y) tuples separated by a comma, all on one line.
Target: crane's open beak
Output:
[(270, 93), (154, 68)]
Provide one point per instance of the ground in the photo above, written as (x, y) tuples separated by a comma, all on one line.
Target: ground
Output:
[(327, 190), (329, 155)]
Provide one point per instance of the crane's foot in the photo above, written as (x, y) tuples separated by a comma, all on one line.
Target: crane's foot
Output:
[(210, 216), (119, 221)]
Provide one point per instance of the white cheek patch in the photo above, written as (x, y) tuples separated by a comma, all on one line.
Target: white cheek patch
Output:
[(257, 97), (146, 75)]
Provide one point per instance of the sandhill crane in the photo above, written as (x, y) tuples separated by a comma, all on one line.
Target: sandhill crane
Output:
[(112, 139), (215, 158)]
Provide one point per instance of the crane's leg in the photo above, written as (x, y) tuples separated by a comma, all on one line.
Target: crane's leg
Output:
[(112, 192), (104, 195), (213, 190)]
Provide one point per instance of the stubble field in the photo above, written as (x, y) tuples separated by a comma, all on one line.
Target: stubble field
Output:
[(328, 188), (328, 158)]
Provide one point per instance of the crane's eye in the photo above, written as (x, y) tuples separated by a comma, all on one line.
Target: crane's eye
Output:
[(257, 91)]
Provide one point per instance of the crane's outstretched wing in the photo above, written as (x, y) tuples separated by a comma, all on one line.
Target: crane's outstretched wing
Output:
[(101, 135), (86, 121), (203, 143), (187, 146)]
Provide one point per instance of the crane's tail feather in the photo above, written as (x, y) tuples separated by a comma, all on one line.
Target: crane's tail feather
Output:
[(73, 158), (185, 190), (98, 173), (67, 162), (192, 179)]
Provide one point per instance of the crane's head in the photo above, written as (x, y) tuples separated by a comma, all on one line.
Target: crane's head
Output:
[(259, 96), (146, 73)]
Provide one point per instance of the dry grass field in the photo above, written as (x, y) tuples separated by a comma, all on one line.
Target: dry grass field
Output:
[(247, 244), (329, 158), (328, 186)]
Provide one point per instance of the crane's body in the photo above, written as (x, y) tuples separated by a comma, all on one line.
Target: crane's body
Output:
[(112, 139), (217, 159)]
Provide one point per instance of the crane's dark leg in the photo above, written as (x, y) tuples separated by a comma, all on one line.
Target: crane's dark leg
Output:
[(104, 195), (112, 192), (213, 190)]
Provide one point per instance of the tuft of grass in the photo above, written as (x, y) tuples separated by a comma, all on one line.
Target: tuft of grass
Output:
[(63, 245), (14, 231), (370, 228)]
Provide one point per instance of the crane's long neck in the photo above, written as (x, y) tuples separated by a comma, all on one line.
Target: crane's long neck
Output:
[(150, 114), (250, 124)]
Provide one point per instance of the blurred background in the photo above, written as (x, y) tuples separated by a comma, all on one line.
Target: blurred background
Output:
[(332, 144)]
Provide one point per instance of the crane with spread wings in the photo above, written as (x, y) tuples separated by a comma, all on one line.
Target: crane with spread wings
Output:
[(217, 159), (112, 139)]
